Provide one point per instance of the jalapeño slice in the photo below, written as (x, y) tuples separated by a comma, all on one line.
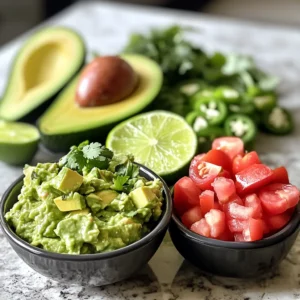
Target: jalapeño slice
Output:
[(241, 126)]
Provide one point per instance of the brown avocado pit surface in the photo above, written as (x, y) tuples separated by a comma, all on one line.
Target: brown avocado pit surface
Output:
[(106, 80)]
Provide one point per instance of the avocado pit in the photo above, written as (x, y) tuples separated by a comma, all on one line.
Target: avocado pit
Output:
[(104, 81)]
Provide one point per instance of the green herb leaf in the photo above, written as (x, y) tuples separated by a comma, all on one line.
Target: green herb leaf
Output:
[(87, 156), (119, 181), (92, 150)]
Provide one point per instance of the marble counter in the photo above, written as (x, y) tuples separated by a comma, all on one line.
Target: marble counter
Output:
[(106, 28)]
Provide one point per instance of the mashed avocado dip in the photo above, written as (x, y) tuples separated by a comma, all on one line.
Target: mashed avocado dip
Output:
[(90, 201)]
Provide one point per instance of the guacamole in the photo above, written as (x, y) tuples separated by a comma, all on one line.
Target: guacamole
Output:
[(90, 201)]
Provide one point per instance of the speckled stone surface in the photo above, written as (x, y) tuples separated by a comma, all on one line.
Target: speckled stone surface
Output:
[(105, 28)]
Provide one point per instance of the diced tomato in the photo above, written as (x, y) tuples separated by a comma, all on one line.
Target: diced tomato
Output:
[(239, 237), (236, 164), (254, 202), (216, 221), (266, 227), (207, 201), (276, 198), (201, 227), (252, 178), (218, 206), (241, 163), (186, 195), (278, 221), (280, 175), (203, 173), (219, 158), (226, 174), (233, 199), (191, 216), (226, 235), (236, 225), (254, 231), (224, 189), (232, 146), (236, 211)]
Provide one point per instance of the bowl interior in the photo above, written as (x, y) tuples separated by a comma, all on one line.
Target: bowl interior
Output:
[(286, 231), (10, 197)]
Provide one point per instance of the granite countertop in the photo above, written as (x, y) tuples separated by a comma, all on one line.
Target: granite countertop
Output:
[(106, 28)]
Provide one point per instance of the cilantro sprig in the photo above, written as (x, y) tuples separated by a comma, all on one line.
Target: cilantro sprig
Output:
[(87, 156)]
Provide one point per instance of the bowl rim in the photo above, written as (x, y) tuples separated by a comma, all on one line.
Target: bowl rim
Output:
[(275, 238), (162, 223)]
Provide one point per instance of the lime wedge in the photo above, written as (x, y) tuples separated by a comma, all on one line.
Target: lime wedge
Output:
[(160, 140), (18, 142)]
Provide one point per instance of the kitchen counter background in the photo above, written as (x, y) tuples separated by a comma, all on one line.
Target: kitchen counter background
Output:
[(106, 28)]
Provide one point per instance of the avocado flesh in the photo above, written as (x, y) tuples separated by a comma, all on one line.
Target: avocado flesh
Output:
[(68, 180), (142, 196), (65, 123), (48, 60), (75, 202)]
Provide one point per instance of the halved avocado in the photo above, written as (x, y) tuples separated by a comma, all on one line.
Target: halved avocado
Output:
[(65, 123), (48, 60)]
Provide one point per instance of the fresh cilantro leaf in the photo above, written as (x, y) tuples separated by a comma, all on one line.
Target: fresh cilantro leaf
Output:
[(100, 162), (76, 161), (92, 150), (119, 181), (87, 156)]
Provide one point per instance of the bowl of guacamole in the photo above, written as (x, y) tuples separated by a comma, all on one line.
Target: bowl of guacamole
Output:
[(91, 218)]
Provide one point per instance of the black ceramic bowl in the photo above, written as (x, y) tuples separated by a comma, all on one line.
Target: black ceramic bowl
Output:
[(235, 259), (88, 269)]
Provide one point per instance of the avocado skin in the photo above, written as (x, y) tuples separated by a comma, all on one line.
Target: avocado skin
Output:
[(32, 116), (61, 143)]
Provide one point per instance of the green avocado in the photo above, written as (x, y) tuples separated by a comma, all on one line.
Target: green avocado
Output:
[(65, 123), (68, 180), (47, 61), (142, 196), (75, 202)]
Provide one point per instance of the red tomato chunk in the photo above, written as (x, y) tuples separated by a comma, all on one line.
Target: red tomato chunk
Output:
[(280, 175), (254, 230), (219, 158), (236, 225), (254, 202), (186, 195), (232, 146), (207, 201), (276, 198), (191, 216), (253, 178), (201, 227), (216, 221), (241, 163), (224, 189), (236, 211), (278, 221), (204, 173)]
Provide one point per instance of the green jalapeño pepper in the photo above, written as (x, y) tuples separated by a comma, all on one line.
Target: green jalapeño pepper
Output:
[(214, 111), (265, 102), (278, 121), (227, 94), (241, 126), (196, 120), (242, 108)]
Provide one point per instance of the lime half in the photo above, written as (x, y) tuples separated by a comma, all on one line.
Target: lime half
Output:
[(18, 142), (160, 140)]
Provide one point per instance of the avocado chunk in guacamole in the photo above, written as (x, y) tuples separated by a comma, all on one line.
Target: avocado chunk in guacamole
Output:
[(91, 201)]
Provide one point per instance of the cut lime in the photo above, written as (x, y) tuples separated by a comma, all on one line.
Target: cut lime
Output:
[(18, 142), (160, 140)]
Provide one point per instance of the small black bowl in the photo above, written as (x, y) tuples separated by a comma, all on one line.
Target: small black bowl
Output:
[(88, 269), (235, 259)]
